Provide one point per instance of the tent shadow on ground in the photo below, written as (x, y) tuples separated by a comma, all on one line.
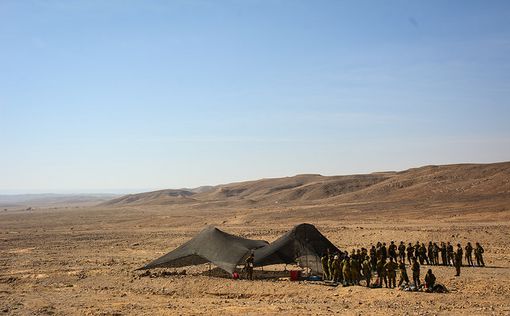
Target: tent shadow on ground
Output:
[(258, 274)]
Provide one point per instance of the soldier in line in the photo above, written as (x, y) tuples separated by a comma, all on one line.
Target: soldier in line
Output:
[(430, 252), (444, 254), (435, 254), (381, 273), (402, 251), (458, 259), (354, 270), (373, 257), (330, 266), (392, 250), (410, 253), (416, 272), (346, 270), (336, 268), (479, 255), (469, 257), (366, 269), (325, 266), (390, 268), (384, 251), (403, 273), (450, 253)]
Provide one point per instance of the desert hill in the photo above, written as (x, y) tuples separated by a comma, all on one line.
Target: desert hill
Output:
[(447, 183)]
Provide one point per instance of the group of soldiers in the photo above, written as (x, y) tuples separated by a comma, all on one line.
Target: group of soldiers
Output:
[(386, 260)]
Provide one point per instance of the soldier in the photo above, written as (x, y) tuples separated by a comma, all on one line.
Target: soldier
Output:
[(392, 250), (373, 257), (423, 254), (458, 259), (416, 272), (336, 268), (355, 270), (450, 253), (430, 254), (435, 253), (479, 255), (325, 267), (430, 280), (248, 266), (367, 270), (410, 253), (381, 273), (403, 273), (402, 251), (390, 267), (384, 251), (346, 270), (444, 254), (330, 266), (469, 251)]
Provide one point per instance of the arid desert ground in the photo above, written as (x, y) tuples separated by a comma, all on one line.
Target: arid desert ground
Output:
[(82, 260)]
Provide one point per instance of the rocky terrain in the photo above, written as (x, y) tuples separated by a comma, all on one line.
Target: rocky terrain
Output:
[(83, 261)]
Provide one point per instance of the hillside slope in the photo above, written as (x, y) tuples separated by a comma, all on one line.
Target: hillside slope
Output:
[(452, 183)]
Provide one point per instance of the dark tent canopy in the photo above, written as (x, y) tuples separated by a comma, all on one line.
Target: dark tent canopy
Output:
[(210, 245), (303, 245)]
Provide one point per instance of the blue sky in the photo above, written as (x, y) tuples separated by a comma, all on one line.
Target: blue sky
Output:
[(99, 96)]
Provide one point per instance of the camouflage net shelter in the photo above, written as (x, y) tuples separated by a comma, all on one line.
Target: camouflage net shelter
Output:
[(303, 245), (212, 245)]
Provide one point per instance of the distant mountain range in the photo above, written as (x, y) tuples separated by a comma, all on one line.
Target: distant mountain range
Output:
[(52, 200), (459, 183)]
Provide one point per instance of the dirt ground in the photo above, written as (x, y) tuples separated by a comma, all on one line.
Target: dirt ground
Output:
[(81, 262)]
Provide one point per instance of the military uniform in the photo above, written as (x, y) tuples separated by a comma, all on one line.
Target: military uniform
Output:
[(450, 253), (430, 280), (249, 267), (402, 251), (381, 273), (367, 270), (410, 253), (458, 260), (392, 250), (355, 270), (416, 272), (390, 268), (346, 271), (444, 255), (469, 257), (325, 267), (479, 255), (403, 273)]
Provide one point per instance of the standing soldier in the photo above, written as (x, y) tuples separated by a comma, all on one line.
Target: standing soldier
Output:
[(403, 273), (325, 266), (346, 270), (402, 251), (430, 252), (390, 267), (479, 255), (450, 253), (330, 266), (469, 251), (336, 268), (423, 254), (435, 254), (248, 266), (354, 270), (373, 257), (367, 270), (384, 251), (458, 259), (381, 273), (416, 272), (444, 254), (392, 250), (410, 253)]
